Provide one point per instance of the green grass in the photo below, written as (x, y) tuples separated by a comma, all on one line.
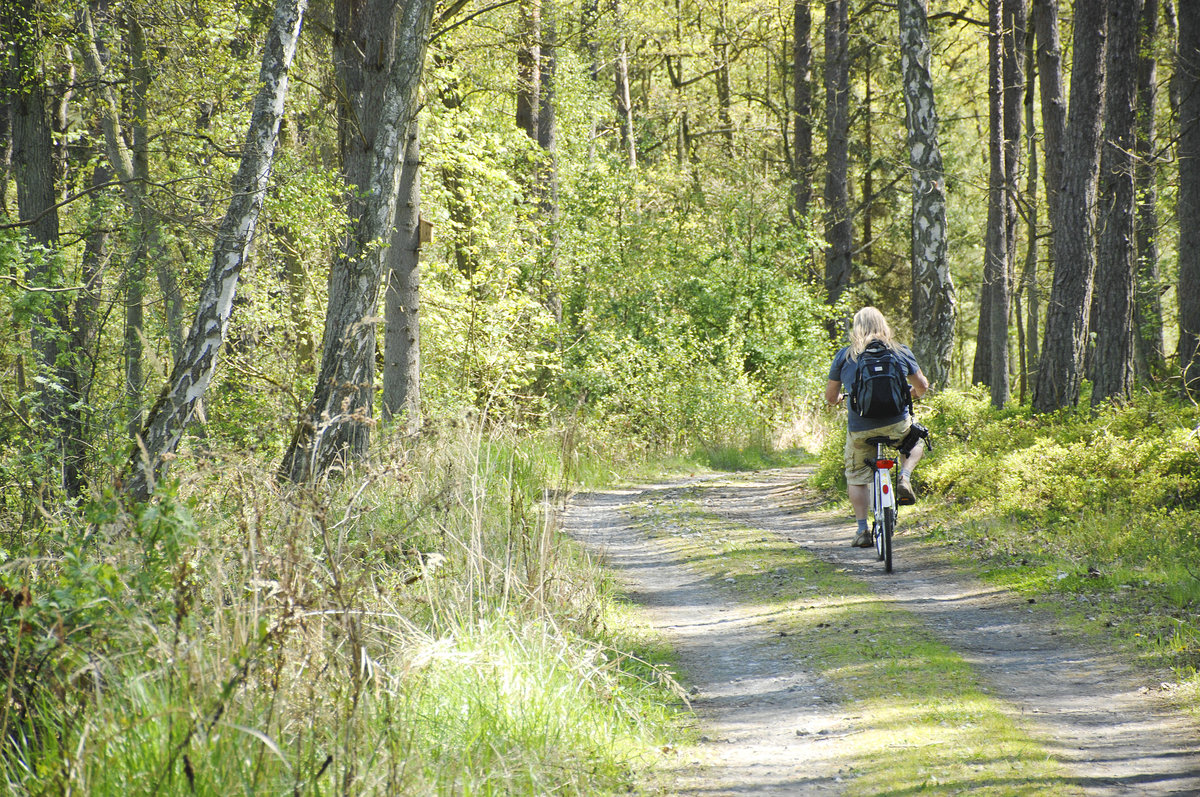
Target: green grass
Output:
[(1095, 513), (420, 627), (923, 720)]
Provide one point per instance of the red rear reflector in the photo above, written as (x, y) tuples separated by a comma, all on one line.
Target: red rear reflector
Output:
[(885, 464), (887, 488)]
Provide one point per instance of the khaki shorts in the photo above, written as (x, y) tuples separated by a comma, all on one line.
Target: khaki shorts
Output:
[(858, 450)]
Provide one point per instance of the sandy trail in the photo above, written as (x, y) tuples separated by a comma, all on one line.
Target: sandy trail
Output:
[(772, 724)]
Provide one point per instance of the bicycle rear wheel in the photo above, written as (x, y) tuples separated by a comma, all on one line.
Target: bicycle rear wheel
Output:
[(885, 537)]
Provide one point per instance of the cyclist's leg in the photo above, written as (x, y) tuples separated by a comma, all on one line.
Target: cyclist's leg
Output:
[(858, 483)]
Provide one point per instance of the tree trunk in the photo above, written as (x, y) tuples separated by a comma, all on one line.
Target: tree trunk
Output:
[(193, 372), (1054, 105), (839, 228), (84, 334), (1112, 307), (131, 163), (1149, 359), (1074, 223), (547, 179), (720, 48), (866, 254), (336, 423), (1029, 278), (802, 133), (992, 360), (35, 173), (933, 299), (1187, 75), (624, 98), (529, 72), (402, 300)]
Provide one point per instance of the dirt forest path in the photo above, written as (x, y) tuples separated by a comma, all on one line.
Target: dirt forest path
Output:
[(771, 723)]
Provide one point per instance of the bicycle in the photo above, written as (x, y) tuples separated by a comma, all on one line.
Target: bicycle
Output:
[(883, 503)]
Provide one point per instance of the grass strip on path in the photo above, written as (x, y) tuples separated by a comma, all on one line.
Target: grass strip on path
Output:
[(923, 719)]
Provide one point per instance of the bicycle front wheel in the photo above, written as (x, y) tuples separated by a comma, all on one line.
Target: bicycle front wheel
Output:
[(885, 537)]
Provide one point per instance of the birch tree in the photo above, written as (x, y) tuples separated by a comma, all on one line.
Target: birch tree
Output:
[(933, 297), (194, 370)]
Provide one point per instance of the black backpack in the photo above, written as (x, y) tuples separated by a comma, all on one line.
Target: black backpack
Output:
[(880, 388)]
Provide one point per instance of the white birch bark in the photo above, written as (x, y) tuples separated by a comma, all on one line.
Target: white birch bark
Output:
[(194, 371), (934, 307)]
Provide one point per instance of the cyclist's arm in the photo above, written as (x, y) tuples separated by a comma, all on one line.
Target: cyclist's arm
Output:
[(833, 392), (919, 384)]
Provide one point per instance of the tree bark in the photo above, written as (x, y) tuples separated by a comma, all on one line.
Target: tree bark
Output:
[(1112, 307), (1054, 105), (36, 173), (529, 73), (802, 133), (1073, 231), (1029, 278), (1187, 76), (402, 301), (547, 139), (131, 163), (193, 372), (720, 48), (991, 358), (839, 228), (336, 422), (934, 307), (84, 334), (624, 98), (1149, 357)]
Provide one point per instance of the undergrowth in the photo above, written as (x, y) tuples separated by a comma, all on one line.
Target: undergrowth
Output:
[(1101, 508), (418, 626)]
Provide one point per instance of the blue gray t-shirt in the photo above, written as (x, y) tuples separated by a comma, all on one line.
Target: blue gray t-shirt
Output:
[(844, 369)]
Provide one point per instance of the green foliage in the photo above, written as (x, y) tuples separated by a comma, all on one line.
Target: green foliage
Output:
[(1140, 455), (1099, 506), (422, 628)]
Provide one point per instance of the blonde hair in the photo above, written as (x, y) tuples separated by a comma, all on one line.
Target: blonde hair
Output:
[(869, 324)]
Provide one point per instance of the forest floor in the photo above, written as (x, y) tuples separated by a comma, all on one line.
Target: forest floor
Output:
[(771, 716)]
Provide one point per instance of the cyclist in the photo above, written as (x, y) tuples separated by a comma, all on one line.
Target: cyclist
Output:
[(870, 325)]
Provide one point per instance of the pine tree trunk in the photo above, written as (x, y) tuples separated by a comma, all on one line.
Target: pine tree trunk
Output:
[(1187, 79), (193, 372), (1054, 104), (1149, 358), (993, 341), (839, 228), (1112, 308), (1074, 223), (1029, 281), (934, 308)]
